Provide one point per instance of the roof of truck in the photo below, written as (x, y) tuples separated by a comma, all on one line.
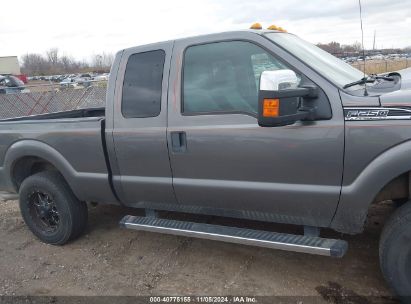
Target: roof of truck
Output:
[(258, 32), (222, 34)]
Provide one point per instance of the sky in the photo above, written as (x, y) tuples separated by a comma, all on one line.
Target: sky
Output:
[(85, 28)]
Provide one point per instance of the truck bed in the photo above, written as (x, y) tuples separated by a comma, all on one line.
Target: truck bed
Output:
[(71, 141)]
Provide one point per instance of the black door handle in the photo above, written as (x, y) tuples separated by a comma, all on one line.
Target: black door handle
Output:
[(178, 141)]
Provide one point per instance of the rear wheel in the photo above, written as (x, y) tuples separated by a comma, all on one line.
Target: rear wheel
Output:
[(395, 252), (50, 209)]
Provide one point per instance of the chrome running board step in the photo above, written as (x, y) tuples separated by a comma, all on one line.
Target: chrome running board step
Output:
[(274, 240)]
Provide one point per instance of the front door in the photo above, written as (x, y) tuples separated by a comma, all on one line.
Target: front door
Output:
[(223, 162)]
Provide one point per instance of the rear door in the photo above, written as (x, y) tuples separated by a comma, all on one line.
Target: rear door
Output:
[(141, 172), (223, 161)]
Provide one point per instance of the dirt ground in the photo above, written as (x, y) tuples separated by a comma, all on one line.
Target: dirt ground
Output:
[(109, 260)]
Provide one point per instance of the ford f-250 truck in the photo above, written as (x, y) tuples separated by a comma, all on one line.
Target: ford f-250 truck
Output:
[(254, 124)]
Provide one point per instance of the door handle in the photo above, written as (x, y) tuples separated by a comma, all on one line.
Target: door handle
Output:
[(178, 141)]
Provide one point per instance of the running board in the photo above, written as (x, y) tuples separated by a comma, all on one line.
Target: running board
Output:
[(274, 240)]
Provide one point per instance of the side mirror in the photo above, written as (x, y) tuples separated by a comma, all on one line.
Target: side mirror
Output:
[(281, 102)]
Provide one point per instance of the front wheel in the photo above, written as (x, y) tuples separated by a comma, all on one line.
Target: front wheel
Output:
[(395, 252), (50, 209)]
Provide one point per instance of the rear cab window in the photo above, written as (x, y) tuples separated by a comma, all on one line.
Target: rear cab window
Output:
[(142, 85)]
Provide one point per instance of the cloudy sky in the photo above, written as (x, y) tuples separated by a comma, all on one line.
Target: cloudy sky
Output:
[(83, 28)]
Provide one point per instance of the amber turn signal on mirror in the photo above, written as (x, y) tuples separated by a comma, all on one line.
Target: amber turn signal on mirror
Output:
[(271, 107)]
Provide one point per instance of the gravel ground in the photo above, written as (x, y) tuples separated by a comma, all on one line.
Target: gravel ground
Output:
[(109, 260)]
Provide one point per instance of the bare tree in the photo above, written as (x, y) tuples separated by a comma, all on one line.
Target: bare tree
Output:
[(34, 64), (68, 64), (52, 63), (53, 55), (332, 47), (357, 46), (97, 61), (102, 62), (341, 50)]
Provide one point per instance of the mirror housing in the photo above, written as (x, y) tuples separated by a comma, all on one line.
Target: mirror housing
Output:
[(281, 102), (278, 80)]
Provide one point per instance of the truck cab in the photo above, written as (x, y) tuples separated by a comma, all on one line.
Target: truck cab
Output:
[(195, 135)]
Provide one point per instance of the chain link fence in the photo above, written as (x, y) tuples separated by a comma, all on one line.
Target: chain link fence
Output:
[(41, 98), (382, 66)]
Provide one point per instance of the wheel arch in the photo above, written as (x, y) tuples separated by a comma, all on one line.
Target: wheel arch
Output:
[(386, 177), (27, 166), (27, 157)]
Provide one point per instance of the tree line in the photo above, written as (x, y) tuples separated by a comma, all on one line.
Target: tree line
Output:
[(336, 48), (343, 50), (52, 63)]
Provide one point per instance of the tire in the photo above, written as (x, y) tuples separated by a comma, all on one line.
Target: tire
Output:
[(50, 209), (395, 252)]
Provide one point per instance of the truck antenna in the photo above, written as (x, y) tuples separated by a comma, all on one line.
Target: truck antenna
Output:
[(363, 50)]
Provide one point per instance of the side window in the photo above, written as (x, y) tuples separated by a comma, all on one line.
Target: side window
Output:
[(264, 62), (224, 77), (142, 85)]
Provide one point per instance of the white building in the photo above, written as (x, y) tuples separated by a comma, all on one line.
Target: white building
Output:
[(9, 65)]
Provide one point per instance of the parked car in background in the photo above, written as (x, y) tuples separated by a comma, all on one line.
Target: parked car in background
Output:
[(22, 77), (11, 84), (61, 78), (68, 82), (83, 79), (55, 78), (101, 77)]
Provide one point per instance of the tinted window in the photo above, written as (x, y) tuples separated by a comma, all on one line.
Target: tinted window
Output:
[(142, 85), (224, 76)]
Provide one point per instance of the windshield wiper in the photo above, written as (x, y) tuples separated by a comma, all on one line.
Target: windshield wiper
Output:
[(361, 81), (369, 79)]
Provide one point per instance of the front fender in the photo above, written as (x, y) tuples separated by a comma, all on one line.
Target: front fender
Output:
[(357, 197)]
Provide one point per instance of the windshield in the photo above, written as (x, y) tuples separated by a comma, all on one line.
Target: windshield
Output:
[(323, 62)]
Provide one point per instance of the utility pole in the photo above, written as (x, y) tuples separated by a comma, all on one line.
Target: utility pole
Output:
[(373, 45)]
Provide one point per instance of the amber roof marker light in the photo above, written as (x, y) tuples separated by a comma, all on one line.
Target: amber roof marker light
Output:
[(256, 26), (276, 28), (273, 27)]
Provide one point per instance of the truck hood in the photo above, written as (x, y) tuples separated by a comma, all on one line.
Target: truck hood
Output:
[(401, 97), (405, 78)]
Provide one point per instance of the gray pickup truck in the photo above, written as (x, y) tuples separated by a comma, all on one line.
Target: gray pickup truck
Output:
[(253, 124)]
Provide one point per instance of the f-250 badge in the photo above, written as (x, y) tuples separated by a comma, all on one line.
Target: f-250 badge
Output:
[(366, 114)]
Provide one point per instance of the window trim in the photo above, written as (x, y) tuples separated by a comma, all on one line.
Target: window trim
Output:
[(255, 115), (124, 77)]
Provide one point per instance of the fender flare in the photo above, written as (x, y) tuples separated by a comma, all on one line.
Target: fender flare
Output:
[(357, 197), (27, 148)]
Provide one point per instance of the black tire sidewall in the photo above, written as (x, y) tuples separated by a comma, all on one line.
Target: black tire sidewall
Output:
[(395, 249), (47, 183)]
